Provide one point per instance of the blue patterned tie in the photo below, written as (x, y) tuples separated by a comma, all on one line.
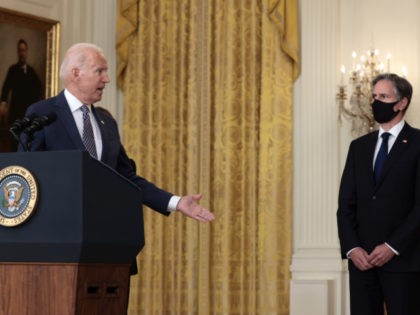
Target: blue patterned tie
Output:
[(382, 154), (88, 138)]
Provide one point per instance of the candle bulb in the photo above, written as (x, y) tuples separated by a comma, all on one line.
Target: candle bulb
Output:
[(353, 56), (404, 71), (388, 62), (343, 72)]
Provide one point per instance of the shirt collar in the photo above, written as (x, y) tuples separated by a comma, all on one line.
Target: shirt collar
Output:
[(73, 101), (394, 131)]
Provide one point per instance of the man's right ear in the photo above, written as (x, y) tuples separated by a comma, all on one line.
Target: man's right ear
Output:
[(402, 105), (75, 72)]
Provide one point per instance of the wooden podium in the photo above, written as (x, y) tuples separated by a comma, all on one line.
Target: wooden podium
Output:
[(73, 255)]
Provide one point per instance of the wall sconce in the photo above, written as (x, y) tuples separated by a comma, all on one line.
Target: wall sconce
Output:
[(359, 110)]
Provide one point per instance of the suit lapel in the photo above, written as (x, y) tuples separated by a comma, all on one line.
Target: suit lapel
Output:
[(370, 149), (66, 116), (104, 134)]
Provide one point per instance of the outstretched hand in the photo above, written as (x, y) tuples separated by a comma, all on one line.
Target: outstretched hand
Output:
[(189, 206)]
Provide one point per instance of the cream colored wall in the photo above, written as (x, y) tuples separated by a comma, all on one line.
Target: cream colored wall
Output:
[(330, 31), (81, 21)]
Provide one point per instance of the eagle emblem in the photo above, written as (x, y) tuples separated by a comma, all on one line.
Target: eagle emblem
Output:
[(12, 194)]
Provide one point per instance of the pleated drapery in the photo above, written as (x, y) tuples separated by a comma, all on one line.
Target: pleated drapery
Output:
[(208, 108)]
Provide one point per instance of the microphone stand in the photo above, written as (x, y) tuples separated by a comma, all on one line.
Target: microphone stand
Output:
[(17, 138), (18, 126), (29, 139), (37, 124)]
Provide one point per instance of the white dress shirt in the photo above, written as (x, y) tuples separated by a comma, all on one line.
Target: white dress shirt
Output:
[(75, 105), (394, 132)]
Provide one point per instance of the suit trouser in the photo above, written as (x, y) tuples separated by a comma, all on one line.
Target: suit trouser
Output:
[(370, 289)]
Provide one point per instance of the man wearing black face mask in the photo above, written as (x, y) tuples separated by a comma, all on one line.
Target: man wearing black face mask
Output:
[(379, 207)]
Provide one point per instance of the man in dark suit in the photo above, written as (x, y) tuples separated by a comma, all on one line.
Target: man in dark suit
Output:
[(84, 72), (379, 207)]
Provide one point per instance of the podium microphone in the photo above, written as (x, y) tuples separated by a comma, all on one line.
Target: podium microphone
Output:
[(37, 124), (20, 124), (40, 122)]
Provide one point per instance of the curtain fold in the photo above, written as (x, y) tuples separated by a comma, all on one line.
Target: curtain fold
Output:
[(127, 25), (284, 14), (208, 108)]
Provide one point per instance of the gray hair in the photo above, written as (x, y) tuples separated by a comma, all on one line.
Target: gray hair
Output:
[(76, 56)]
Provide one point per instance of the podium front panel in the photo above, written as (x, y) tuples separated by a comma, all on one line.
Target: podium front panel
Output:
[(86, 212)]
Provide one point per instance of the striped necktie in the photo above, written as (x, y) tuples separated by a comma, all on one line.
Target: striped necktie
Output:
[(88, 138)]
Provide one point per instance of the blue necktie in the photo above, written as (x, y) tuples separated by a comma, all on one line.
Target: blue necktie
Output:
[(88, 138), (382, 154)]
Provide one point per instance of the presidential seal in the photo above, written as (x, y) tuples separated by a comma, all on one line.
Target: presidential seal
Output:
[(18, 195)]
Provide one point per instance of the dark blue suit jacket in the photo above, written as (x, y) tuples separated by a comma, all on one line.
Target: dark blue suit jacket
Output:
[(62, 135), (370, 213)]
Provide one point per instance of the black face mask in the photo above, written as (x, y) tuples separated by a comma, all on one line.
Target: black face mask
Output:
[(384, 112)]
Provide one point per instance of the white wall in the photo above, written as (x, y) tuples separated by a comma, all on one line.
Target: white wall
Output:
[(389, 26), (317, 272), (330, 31)]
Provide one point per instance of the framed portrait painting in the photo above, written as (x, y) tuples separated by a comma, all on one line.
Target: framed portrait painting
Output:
[(29, 53)]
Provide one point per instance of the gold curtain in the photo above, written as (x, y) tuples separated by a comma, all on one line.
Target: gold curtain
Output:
[(208, 108)]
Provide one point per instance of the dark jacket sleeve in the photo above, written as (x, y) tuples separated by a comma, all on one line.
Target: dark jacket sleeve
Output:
[(347, 206)]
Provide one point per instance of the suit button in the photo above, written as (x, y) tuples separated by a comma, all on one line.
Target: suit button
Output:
[(374, 197)]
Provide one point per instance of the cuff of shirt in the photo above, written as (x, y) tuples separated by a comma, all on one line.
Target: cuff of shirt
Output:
[(173, 203), (393, 250), (348, 253)]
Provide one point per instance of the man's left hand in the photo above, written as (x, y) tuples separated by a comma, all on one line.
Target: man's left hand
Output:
[(189, 206), (380, 255)]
